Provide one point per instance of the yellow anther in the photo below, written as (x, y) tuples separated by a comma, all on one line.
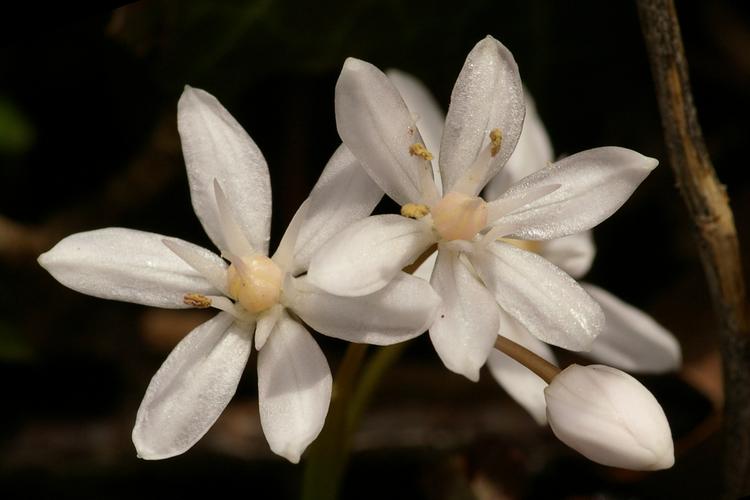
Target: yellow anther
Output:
[(197, 300), (418, 149), (415, 210), (496, 137)]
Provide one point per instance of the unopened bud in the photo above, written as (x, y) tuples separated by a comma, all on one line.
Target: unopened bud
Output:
[(609, 417)]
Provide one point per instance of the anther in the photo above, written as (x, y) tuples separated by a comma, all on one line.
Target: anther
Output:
[(420, 150), (196, 300), (414, 210), (496, 138)]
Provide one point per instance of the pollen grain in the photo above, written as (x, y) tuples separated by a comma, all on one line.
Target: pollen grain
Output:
[(420, 150)]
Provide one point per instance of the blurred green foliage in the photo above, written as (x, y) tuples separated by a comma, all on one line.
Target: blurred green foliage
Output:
[(13, 345), (16, 131)]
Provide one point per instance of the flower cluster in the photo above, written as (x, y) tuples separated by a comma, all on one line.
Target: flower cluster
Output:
[(339, 271)]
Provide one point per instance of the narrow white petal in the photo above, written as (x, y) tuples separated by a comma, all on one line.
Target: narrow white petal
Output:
[(426, 113), (402, 310), (548, 302), (284, 254), (294, 389), (502, 206), (344, 194), (208, 264), (518, 381), (128, 265), (593, 185), (573, 254), (533, 152), (266, 323), (365, 256), (631, 340), (377, 127), (425, 269), (215, 146), (192, 388), (234, 238), (488, 94), (467, 322)]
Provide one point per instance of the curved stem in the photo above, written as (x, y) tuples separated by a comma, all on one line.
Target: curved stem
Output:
[(537, 364)]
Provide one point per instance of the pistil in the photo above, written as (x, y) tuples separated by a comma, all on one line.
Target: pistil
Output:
[(255, 282)]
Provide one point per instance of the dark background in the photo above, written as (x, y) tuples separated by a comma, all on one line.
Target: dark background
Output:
[(88, 140)]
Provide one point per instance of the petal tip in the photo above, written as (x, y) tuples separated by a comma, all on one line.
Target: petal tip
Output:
[(650, 163), (43, 260), (354, 64), (665, 461)]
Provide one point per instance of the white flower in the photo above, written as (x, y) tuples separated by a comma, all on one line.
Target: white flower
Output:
[(630, 340), (474, 272), (230, 190), (609, 417)]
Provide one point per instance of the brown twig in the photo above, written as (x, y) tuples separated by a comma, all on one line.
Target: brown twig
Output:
[(707, 202)]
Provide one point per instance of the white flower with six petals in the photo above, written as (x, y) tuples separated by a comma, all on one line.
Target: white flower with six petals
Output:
[(267, 297), (475, 272)]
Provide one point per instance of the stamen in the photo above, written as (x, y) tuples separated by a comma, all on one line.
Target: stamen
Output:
[(420, 150), (197, 300), (415, 210), (496, 138)]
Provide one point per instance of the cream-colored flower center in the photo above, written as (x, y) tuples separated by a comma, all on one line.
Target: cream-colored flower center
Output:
[(255, 283), (459, 217)]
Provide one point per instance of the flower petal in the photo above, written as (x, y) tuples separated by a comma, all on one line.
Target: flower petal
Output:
[(192, 388), (424, 270), (573, 254), (266, 323), (533, 152), (234, 235), (208, 264), (631, 340), (128, 265), (294, 389), (467, 323), (402, 310), (488, 94), (548, 302), (365, 256), (376, 126), (519, 382), (343, 194), (426, 114), (284, 254), (593, 185), (215, 146)]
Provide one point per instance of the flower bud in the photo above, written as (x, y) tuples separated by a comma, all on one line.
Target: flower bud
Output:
[(609, 417)]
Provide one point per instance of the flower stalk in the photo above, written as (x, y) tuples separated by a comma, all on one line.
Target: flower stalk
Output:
[(537, 364), (328, 457)]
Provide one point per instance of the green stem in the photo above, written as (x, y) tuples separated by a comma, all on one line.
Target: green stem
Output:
[(325, 460), (378, 364), (328, 457)]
